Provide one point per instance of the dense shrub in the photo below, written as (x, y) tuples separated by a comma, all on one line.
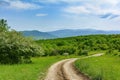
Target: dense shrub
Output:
[(84, 52), (14, 48)]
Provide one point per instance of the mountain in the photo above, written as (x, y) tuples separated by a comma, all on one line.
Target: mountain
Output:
[(78, 32), (65, 33), (37, 34)]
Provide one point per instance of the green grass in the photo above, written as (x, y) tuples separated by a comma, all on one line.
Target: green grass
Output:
[(33, 71), (96, 52), (100, 68)]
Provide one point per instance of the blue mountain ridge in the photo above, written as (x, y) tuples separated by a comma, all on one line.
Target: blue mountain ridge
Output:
[(64, 33)]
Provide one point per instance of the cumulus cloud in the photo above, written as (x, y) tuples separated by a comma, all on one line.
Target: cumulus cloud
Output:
[(17, 4), (76, 9), (112, 2), (100, 8), (103, 8)]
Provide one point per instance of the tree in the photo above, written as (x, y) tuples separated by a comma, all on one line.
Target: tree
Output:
[(3, 25)]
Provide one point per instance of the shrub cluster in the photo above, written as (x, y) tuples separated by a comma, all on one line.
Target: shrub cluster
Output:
[(14, 48)]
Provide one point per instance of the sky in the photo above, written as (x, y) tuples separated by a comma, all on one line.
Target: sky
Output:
[(50, 15)]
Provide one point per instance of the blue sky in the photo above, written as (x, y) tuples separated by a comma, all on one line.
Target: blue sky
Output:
[(49, 15)]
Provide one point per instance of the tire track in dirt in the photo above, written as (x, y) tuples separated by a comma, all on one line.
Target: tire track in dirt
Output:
[(65, 70)]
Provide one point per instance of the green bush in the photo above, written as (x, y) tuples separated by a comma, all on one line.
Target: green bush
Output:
[(14, 48), (84, 52)]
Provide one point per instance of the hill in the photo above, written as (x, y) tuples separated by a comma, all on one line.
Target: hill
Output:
[(78, 32), (65, 33), (81, 44), (38, 35)]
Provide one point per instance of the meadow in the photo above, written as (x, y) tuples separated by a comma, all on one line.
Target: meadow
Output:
[(33, 71), (100, 68)]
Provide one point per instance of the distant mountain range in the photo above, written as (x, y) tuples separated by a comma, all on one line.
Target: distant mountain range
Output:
[(38, 35), (64, 33)]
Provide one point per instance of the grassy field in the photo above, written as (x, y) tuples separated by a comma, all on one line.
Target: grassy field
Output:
[(33, 71), (96, 52), (100, 68)]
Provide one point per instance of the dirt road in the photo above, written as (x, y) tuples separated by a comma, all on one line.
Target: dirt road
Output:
[(65, 70)]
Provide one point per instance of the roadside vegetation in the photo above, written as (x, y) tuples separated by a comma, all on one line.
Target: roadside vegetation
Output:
[(34, 71), (106, 67), (14, 48)]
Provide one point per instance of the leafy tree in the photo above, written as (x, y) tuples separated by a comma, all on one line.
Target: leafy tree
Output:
[(3, 25)]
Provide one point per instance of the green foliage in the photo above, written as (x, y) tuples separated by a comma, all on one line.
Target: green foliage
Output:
[(109, 51), (80, 45), (3, 25), (84, 52), (14, 48), (34, 71), (100, 68)]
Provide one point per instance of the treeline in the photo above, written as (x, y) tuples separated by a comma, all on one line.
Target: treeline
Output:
[(14, 48), (81, 45)]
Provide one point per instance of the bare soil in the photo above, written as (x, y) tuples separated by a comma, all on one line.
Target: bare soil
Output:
[(65, 70)]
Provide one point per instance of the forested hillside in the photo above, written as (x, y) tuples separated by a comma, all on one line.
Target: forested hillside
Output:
[(81, 45)]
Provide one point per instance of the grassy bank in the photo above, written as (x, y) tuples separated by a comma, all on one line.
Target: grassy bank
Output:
[(100, 68), (27, 71)]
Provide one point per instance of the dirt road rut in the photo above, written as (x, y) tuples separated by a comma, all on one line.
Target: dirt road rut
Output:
[(65, 70)]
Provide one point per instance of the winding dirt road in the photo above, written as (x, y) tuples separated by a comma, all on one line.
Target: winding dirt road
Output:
[(65, 70)]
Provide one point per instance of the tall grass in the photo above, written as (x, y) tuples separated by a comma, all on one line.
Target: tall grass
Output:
[(100, 68)]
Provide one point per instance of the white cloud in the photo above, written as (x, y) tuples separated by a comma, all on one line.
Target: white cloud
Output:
[(98, 8), (76, 9), (41, 14), (17, 4), (57, 1), (112, 2), (68, 1), (47, 1)]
